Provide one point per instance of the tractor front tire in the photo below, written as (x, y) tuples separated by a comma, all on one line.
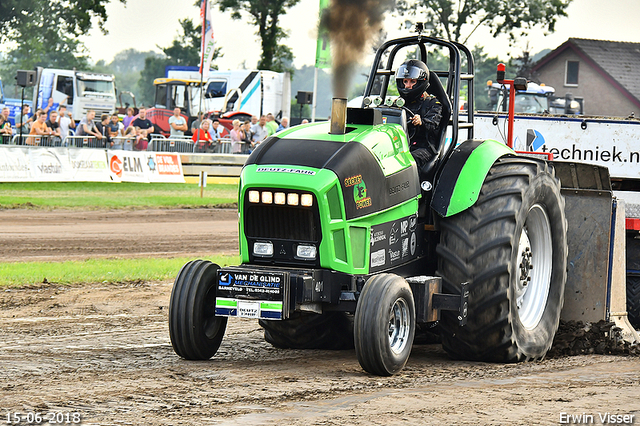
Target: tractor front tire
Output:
[(305, 330), (511, 246), (384, 325), (195, 331)]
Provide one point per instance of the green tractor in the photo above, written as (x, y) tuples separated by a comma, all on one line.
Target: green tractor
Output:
[(344, 244)]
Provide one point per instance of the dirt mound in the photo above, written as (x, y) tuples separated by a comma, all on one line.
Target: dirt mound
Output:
[(578, 338)]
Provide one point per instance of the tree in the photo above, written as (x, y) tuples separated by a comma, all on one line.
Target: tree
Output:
[(44, 33), (184, 50), (265, 15), (73, 17), (450, 18)]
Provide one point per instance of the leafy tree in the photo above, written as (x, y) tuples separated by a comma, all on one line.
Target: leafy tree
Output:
[(184, 50), (46, 39), (452, 18), (73, 17), (265, 15)]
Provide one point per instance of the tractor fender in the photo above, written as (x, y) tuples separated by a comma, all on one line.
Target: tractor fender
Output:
[(459, 183)]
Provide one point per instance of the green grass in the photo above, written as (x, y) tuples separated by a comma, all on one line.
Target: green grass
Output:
[(98, 270), (100, 195)]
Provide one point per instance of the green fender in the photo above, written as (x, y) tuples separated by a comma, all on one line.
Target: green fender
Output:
[(462, 177)]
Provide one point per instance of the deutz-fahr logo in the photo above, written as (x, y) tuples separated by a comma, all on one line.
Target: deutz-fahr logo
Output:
[(359, 191)]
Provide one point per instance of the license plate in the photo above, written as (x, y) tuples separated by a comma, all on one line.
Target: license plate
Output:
[(252, 294)]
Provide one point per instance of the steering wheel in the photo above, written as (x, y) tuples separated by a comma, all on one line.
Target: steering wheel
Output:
[(414, 129)]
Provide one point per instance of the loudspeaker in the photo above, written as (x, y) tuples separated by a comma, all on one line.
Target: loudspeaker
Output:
[(26, 78), (304, 98)]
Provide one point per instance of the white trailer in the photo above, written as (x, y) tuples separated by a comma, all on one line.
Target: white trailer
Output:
[(79, 90), (254, 92)]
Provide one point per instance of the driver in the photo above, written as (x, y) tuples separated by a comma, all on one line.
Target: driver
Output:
[(412, 79)]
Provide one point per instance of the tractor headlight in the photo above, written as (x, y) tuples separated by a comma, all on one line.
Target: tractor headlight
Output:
[(267, 197), (293, 199), (254, 196), (279, 198), (263, 248), (304, 251), (306, 200)]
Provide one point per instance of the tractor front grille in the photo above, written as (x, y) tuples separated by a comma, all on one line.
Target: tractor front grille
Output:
[(281, 222)]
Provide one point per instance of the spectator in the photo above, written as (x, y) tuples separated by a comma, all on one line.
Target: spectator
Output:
[(260, 131), (271, 124), (5, 125), (196, 124), (304, 121), (5, 113), (87, 127), (130, 136), (284, 124), (5, 132), (23, 121), (202, 139), (53, 124), (66, 123), (217, 131), (248, 137), (51, 106), (102, 128), (128, 119), (39, 128), (113, 131), (143, 122), (141, 142), (237, 137), (177, 123), (254, 120)]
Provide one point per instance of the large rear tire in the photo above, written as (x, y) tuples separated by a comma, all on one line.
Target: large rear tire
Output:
[(633, 280), (511, 246), (384, 325), (304, 330), (195, 331)]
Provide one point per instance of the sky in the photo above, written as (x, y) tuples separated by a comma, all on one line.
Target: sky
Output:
[(146, 24)]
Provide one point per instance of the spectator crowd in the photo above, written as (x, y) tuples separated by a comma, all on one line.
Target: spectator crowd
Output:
[(56, 126)]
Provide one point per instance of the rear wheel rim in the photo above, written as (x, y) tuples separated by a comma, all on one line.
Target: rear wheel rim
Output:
[(399, 326), (533, 274)]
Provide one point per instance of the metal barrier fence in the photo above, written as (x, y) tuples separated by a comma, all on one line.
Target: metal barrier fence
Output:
[(184, 144), (158, 143)]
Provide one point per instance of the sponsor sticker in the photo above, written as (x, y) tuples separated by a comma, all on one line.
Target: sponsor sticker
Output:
[(378, 258)]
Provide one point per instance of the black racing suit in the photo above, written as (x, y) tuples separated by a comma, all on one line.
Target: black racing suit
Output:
[(425, 138)]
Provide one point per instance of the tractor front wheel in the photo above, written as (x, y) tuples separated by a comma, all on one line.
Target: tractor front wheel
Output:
[(384, 325), (195, 331)]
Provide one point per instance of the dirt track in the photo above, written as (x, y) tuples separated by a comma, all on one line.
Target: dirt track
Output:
[(104, 351)]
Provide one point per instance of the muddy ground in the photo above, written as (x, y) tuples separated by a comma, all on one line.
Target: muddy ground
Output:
[(103, 350)]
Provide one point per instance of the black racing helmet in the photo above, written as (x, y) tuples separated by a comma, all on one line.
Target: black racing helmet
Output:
[(417, 70)]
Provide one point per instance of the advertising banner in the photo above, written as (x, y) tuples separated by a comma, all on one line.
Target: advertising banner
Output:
[(605, 142), (128, 166), (88, 165), (14, 164)]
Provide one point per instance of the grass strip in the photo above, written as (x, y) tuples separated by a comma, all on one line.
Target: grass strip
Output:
[(103, 195), (98, 270)]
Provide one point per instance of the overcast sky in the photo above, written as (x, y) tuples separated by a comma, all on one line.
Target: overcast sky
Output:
[(146, 24)]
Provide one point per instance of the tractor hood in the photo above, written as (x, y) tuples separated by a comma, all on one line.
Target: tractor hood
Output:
[(372, 162)]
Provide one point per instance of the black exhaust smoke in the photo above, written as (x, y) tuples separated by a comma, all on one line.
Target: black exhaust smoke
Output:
[(352, 25)]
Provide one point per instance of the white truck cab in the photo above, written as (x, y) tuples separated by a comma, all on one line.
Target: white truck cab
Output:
[(79, 90)]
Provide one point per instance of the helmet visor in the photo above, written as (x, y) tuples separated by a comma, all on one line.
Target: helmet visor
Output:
[(405, 71)]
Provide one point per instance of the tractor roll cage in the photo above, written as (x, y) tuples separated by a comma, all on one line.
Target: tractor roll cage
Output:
[(453, 75)]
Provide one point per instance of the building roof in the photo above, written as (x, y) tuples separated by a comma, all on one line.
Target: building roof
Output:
[(617, 61)]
